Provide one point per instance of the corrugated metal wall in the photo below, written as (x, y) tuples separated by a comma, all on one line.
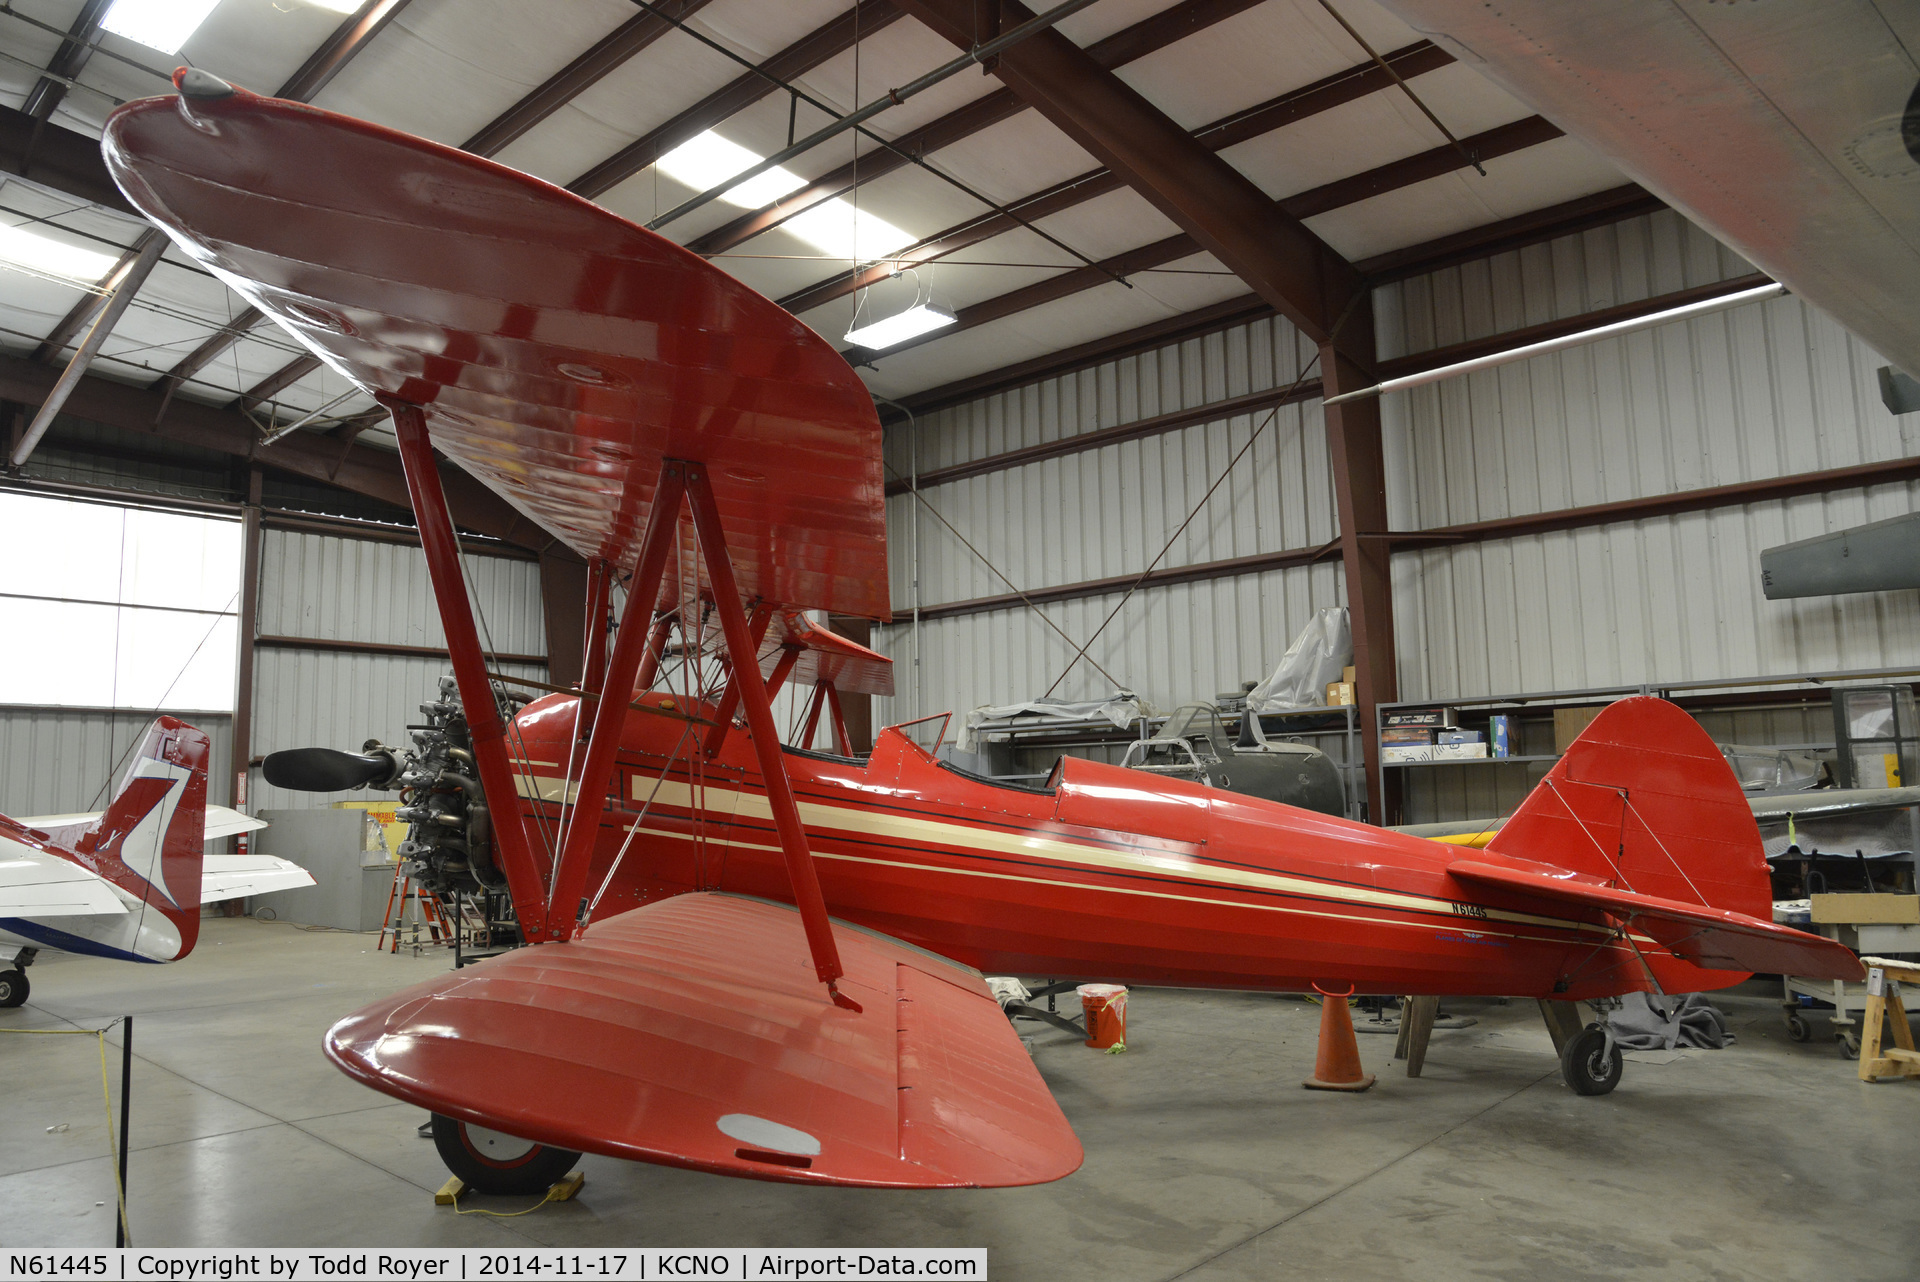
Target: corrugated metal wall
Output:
[(334, 588), (55, 760), (1109, 512), (1762, 390)]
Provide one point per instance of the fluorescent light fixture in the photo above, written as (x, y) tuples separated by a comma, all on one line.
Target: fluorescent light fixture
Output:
[(158, 24), (44, 256), (919, 319), (338, 6), (833, 226)]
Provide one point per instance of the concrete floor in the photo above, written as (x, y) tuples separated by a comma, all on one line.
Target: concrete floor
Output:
[(1205, 1159)]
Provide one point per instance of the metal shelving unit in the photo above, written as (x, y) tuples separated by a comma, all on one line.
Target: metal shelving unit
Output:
[(1696, 696)]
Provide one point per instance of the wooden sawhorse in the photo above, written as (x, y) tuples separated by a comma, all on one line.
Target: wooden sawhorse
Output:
[(1884, 978)]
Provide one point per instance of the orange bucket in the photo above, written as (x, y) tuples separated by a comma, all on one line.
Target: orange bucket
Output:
[(1105, 1006)]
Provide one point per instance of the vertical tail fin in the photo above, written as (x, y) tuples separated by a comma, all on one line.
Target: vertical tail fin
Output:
[(1644, 800), (152, 838)]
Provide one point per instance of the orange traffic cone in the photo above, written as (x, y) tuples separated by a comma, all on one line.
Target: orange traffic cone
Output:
[(1337, 1066)]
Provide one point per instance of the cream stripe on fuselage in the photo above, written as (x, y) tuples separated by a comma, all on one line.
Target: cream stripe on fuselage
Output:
[(917, 831)]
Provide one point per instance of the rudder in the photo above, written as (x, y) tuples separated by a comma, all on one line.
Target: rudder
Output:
[(1645, 800)]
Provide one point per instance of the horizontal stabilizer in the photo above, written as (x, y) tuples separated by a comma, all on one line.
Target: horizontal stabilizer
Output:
[(221, 822), (34, 883), (1712, 938), (692, 1032), (236, 876)]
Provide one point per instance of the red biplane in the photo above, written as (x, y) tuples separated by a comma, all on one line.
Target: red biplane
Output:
[(764, 961)]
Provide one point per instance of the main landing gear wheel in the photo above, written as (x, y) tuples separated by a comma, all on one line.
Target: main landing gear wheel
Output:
[(13, 988), (1590, 1063), (491, 1162)]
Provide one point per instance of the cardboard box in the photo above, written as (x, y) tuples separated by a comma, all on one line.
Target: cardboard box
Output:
[(1346, 675), (1459, 736), (1500, 734), (1431, 718), (1399, 754), (1569, 722), (1459, 752), (1404, 736), (1339, 694), (1888, 910)]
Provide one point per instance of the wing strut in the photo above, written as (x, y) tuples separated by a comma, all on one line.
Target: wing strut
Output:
[(766, 739), (610, 713), (438, 541), (593, 664)]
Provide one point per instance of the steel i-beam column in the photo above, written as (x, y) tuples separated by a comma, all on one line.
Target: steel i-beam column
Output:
[(442, 548), (1360, 496)]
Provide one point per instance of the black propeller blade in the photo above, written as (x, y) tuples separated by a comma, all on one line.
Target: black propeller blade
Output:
[(325, 769)]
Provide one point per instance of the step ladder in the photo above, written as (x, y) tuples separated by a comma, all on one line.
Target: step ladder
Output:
[(411, 908)]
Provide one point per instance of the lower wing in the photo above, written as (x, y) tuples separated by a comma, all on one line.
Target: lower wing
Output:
[(692, 1032), (1712, 938)]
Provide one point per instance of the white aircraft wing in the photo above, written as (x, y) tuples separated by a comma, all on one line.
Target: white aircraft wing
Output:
[(233, 876), (221, 822), (35, 884)]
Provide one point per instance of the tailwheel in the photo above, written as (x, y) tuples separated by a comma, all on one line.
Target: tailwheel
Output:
[(492, 1162), (1591, 1062), (13, 988)]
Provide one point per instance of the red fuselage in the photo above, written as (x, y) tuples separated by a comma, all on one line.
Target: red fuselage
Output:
[(1110, 874)]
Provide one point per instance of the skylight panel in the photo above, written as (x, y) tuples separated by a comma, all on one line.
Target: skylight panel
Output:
[(835, 227), (706, 161), (158, 24), (45, 256)]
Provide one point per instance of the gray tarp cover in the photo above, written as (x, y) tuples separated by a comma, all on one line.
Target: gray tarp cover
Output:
[(1648, 1022)]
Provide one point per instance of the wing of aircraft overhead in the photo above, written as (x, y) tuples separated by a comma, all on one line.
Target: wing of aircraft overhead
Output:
[(1789, 131)]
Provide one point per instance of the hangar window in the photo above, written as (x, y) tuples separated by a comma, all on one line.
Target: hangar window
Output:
[(117, 607)]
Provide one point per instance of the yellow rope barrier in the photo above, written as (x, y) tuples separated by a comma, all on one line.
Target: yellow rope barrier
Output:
[(106, 1099), (507, 1215)]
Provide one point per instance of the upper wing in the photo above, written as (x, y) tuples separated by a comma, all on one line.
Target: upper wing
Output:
[(233, 876), (559, 351), (1713, 938), (36, 884), (692, 1032)]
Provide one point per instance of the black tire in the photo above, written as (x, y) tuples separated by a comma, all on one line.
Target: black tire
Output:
[(13, 988), (1797, 1028), (1587, 1064), (1849, 1044), (490, 1162)]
